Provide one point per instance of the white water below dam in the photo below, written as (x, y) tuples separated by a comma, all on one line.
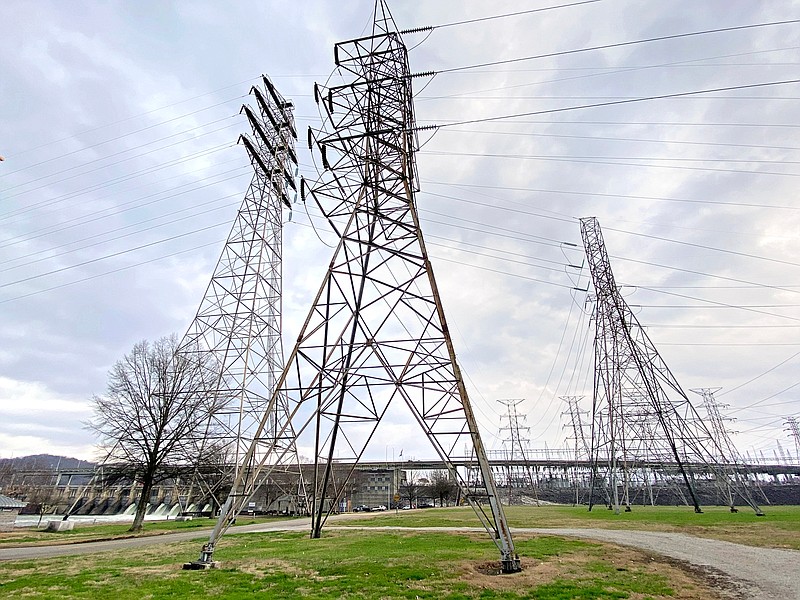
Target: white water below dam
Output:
[(34, 520)]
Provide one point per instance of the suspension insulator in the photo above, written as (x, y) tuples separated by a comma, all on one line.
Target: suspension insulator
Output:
[(324, 150)]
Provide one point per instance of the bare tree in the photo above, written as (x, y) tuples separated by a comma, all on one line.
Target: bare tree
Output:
[(44, 500), (410, 489), (157, 403), (441, 486)]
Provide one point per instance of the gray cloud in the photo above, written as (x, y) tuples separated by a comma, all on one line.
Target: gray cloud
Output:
[(131, 106)]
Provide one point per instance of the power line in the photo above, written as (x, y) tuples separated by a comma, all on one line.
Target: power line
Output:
[(622, 69), (529, 134), (502, 16), (713, 303), (117, 180), (75, 175), (705, 247), (130, 205), (757, 377), (179, 117), (115, 254), (670, 124), (195, 214), (621, 44), (608, 195), (96, 276), (590, 158), (571, 219), (612, 103), (615, 161)]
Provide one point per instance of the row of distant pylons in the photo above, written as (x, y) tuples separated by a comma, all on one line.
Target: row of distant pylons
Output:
[(376, 338)]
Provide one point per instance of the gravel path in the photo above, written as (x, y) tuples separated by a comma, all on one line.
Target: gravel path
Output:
[(754, 573)]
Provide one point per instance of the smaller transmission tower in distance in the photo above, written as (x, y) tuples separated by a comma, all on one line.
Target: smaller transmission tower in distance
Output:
[(575, 425), (722, 438), (716, 421), (793, 428), (518, 471)]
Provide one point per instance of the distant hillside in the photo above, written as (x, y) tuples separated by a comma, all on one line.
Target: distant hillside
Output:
[(44, 461)]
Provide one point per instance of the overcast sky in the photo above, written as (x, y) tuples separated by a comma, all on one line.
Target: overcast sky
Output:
[(119, 120)]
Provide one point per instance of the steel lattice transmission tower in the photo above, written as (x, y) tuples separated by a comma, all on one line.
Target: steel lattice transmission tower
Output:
[(793, 428), (376, 334), (721, 435), (641, 417), (518, 471), (577, 427), (239, 318)]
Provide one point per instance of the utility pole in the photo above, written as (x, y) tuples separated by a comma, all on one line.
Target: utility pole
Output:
[(640, 415)]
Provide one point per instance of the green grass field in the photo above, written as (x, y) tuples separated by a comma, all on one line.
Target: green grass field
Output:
[(398, 564), (358, 564), (779, 528)]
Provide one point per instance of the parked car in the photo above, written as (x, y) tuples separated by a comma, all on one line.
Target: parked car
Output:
[(361, 508), (379, 508)]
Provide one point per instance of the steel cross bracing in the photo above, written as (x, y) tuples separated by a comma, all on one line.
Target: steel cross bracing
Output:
[(376, 334), (239, 319), (640, 413)]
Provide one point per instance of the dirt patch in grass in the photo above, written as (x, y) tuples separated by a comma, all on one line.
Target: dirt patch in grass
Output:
[(611, 565), (166, 571), (260, 568)]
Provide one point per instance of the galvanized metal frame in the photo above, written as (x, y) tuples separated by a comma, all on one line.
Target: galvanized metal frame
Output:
[(376, 333), (239, 318), (640, 413)]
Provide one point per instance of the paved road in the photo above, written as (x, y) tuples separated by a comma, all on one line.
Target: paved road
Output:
[(757, 573)]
